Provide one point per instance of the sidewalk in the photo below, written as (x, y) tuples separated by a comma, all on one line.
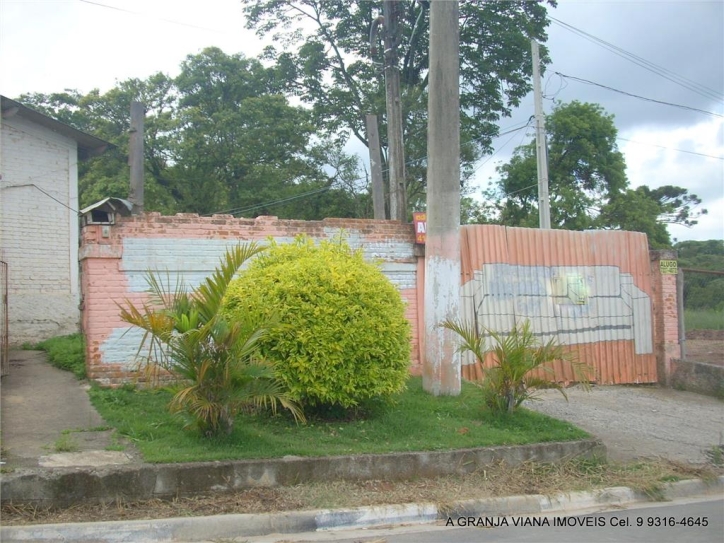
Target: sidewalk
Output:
[(47, 419)]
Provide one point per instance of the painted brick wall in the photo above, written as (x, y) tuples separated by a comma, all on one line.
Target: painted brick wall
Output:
[(39, 235), (189, 247)]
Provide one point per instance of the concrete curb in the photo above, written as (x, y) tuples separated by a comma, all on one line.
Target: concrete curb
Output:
[(231, 526), (63, 487)]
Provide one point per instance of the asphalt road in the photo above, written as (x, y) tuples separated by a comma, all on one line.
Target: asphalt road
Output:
[(641, 524)]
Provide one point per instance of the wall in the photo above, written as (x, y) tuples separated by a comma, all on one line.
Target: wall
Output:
[(39, 234), (596, 292), (666, 315), (113, 268)]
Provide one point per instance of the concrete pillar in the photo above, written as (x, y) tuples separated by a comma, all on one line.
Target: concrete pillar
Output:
[(441, 366)]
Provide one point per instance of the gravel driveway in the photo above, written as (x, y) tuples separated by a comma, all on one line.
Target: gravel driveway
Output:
[(641, 421)]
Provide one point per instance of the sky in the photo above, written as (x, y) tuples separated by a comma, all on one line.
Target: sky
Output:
[(52, 45)]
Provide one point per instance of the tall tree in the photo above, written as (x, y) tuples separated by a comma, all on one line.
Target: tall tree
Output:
[(322, 51), (587, 182), (218, 137)]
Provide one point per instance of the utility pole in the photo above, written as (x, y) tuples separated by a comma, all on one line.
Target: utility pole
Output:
[(396, 151), (378, 189), (135, 157), (544, 206), (441, 365)]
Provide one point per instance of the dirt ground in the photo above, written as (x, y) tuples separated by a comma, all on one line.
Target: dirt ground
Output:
[(710, 351)]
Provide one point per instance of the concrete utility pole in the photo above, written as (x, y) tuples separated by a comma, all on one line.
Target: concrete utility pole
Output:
[(378, 189), (441, 366), (544, 206), (396, 150), (135, 157)]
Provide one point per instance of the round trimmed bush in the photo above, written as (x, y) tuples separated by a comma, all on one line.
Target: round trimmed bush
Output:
[(343, 337)]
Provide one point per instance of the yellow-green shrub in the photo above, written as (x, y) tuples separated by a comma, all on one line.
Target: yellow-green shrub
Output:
[(343, 337)]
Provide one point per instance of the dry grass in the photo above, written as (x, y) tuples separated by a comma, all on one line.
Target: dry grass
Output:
[(500, 480)]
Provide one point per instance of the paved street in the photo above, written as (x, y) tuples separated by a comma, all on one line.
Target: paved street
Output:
[(612, 526)]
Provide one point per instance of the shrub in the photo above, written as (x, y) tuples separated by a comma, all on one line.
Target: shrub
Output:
[(215, 362), (344, 337), (510, 382)]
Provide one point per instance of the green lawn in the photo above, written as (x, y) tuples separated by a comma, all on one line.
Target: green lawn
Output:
[(416, 421), (703, 319), (66, 353)]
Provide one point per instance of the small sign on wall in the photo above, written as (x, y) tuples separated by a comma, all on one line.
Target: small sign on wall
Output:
[(668, 267), (419, 221)]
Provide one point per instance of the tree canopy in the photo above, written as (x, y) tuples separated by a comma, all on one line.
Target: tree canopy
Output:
[(587, 182), (322, 54), (218, 137)]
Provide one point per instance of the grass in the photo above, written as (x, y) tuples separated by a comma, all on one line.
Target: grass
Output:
[(65, 443), (416, 421), (703, 319), (66, 353)]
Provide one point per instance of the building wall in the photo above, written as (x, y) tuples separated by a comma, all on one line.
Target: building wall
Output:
[(189, 247), (39, 234)]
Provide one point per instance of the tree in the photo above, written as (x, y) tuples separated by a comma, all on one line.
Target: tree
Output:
[(218, 137), (585, 169), (587, 184), (702, 291), (650, 210), (214, 361), (322, 53)]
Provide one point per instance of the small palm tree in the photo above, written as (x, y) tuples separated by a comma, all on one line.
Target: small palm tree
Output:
[(511, 381), (214, 362)]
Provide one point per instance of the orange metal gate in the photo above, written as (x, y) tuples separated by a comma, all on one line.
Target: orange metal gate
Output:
[(589, 290)]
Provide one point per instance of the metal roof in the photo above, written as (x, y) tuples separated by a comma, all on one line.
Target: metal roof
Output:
[(88, 146)]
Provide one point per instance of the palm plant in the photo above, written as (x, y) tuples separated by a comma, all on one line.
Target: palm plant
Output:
[(214, 362), (517, 354)]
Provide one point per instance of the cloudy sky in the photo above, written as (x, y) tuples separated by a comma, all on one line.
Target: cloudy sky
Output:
[(51, 45)]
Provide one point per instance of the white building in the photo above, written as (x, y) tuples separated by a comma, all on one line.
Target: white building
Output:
[(39, 224)]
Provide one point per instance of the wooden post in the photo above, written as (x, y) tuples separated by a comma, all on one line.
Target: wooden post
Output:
[(135, 157), (680, 311), (378, 190), (441, 365), (396, 151)]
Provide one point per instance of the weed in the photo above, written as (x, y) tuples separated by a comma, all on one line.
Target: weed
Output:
[(65, 443)]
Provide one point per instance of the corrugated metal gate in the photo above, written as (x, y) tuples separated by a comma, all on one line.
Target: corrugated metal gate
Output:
[(589, 290)]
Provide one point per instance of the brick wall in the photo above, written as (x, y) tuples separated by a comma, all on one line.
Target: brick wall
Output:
[(39, 234), (666, 315), (113, 269)]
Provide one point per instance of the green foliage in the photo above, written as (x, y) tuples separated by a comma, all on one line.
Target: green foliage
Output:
[(517, 354), (219, 136), (66, 353), (344, 337), (703, 291), (215, 361), (415, 421), (322, 54), (703, 319), (587, 182)]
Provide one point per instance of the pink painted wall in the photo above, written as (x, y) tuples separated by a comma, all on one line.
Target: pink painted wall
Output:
[(189, 247)]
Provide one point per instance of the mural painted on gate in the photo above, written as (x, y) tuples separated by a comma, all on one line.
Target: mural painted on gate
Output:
[(574, 304)]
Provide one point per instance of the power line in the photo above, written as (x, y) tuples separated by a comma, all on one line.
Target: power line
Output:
[(147, 15), (672, 148), (587, 82), (680, 80), (41, 190)]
